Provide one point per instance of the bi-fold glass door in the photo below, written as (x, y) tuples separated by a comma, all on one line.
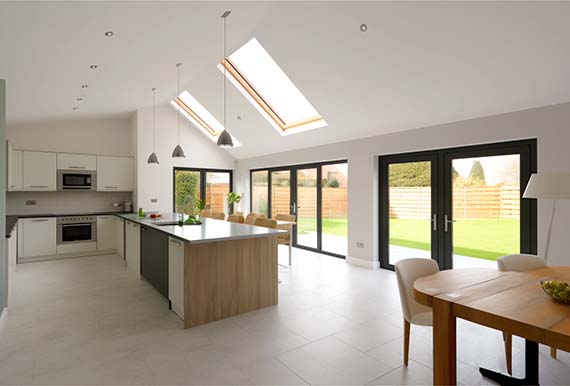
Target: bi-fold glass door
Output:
[(460, 206)]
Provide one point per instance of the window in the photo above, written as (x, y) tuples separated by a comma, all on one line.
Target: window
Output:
[(210, 185), (259, 194), (201, 118), (254, 72)]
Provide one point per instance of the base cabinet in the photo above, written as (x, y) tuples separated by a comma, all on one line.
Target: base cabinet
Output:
[(176, 276), (154, 258), (106, 233), (38, 237), (120, 236), (133, 246)]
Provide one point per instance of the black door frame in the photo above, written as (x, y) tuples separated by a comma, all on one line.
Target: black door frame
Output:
[(442, 248), (202, 172), (293, 197)]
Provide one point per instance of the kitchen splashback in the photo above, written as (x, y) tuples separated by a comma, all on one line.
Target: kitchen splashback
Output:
[(64, 202)]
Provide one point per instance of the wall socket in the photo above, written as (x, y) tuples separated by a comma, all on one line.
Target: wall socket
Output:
[(153, 200), (359, 244), (31, 202)]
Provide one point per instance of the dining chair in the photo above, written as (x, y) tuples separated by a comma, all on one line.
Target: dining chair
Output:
[(236, 218), (238, 213), (218, 216), (407, 271), (251, 217), (205, 213), (266, 222), (286, 238), (520, 262)]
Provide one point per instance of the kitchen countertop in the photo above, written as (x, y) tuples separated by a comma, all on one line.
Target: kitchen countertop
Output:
[(210, 229)]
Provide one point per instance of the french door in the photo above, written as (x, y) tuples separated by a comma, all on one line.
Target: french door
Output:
[(461, 206)]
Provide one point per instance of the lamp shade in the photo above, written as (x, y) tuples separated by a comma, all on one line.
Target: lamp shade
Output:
[(554, 186)]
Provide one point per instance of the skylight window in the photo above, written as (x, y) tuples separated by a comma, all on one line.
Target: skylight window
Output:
[(254, 72), (201, 118)]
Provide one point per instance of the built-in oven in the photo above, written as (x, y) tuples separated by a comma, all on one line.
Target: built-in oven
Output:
[(76, 229), (76, 180)]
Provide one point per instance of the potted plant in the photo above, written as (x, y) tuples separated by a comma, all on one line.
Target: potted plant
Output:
[(233, 198)]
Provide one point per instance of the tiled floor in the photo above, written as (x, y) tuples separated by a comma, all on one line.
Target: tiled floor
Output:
[(90, 321)]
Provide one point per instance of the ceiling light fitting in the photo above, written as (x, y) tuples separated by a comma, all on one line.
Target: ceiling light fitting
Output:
[(152, 158), (79, 99), (178, 152), (225, 138), (109, 34), (84, 86), (93, 66), (363, 27)]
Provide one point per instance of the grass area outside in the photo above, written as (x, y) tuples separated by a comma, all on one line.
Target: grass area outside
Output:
[(331, 226), (482, 238)]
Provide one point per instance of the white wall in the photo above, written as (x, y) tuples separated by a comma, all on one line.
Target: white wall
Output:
[(550, 125), (89, 136), (155, 181)]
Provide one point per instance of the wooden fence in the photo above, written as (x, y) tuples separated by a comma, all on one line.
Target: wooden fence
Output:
[(495, 202)]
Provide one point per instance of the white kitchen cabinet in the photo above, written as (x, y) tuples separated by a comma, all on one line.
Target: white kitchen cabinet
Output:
[(115, 174), (106, 233), (12, 248), (39, 171), (120, 236), (14, 168), (67, 161), (133, 246), (39, 237), (176, 275)]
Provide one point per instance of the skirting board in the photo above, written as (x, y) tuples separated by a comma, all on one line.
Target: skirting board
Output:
[(368, 264), (3, 321)]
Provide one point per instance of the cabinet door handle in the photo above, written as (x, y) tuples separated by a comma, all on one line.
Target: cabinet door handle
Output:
[(76, 167), (175, 242), (110, 187), (38, 186), (40, 219)]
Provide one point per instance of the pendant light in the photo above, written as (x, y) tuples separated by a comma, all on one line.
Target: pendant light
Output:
[(178, 152), (153, 159), (225, 139)]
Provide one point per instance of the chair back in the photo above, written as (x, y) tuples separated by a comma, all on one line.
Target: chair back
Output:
[(205, 213), (236, 218), (238, 213), (266, 222), (218, 216), (407, 271), (285, 217), (520, 262), (251, 217)]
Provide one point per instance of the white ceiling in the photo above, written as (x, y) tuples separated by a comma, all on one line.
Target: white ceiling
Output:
[(419, 63)]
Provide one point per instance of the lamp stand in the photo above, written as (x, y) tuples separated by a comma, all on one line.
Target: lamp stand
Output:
[(549, 232)]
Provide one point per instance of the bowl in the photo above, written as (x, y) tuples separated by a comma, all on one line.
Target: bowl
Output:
[(557, 290)]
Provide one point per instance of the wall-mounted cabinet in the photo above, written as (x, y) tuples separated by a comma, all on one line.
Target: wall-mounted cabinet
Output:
[(68, 161), (14, 168), (39, 171), (115, 174)]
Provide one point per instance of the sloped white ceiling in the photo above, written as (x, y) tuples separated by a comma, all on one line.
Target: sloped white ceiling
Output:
[(419, 63)]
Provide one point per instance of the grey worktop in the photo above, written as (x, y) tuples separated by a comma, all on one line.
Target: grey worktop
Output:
[(210, 230)]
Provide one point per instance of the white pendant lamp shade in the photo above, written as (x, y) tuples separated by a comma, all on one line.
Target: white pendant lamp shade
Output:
[(554, 186), (153, 158), (225, 138), (178, 152)]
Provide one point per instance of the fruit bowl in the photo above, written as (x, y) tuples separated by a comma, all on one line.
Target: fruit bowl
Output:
[(557, 290)]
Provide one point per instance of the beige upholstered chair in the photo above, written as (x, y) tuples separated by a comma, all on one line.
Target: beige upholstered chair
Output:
[(285, 239), (238, 213), (519, 263), (251, 217), (236, 218), (266, 222), (407, 271), (218, 216), (205, 213)]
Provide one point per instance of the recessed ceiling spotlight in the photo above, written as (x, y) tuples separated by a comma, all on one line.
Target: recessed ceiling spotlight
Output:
[(93, 66), (75, 108), (79, 99), (84, 86), (239, 117), (109, 33), (363, 27)]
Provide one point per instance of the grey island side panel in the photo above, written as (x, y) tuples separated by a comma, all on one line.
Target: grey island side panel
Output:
[(209, 231)]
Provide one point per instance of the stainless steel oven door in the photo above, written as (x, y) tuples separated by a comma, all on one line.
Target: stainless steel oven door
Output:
[(76, 180), (76, 233)]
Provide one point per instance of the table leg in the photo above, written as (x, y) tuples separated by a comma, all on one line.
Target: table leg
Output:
[(444, 344), (531, 369)]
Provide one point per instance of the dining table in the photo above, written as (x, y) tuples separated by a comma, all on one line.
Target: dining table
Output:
[(512, 302)]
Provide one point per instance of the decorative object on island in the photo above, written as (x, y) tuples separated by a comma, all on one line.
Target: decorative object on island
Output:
[(225, 138), (233, 198), (551, 187), (178, 152), (201, 205), (153, 159)]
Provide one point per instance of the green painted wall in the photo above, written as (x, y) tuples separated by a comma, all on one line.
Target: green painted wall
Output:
[(3, 254)]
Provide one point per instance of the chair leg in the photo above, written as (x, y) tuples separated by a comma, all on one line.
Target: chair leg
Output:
[(406, 341), (508, 338), (553, 352)]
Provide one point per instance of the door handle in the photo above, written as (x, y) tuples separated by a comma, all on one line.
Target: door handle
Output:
[(446, 222), (76, 167), (40, 220), (434, 222), (38, 186), (175, 242)]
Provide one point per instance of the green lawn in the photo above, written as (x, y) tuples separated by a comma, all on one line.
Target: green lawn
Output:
[(485, 239)]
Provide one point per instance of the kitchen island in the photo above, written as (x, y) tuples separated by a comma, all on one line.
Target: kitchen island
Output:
[(210, 271)]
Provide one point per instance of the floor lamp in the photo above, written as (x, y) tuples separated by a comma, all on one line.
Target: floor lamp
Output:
[(549, 187)]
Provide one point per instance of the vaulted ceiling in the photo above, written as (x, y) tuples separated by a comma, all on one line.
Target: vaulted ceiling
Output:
[(418, 64)]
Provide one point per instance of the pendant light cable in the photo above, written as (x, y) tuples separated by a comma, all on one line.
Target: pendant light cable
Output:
[(225, 138), (225, 70), (153, 121), (177, 96)]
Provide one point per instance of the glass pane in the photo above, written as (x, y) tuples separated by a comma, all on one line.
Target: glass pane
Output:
[(307, 207), (259, 192), (280, 192), (187, 188), (217, 188), (486, 209), (409, 197), (335, 208)]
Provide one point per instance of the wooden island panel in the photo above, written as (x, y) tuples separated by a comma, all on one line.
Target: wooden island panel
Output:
[(228, 278)]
